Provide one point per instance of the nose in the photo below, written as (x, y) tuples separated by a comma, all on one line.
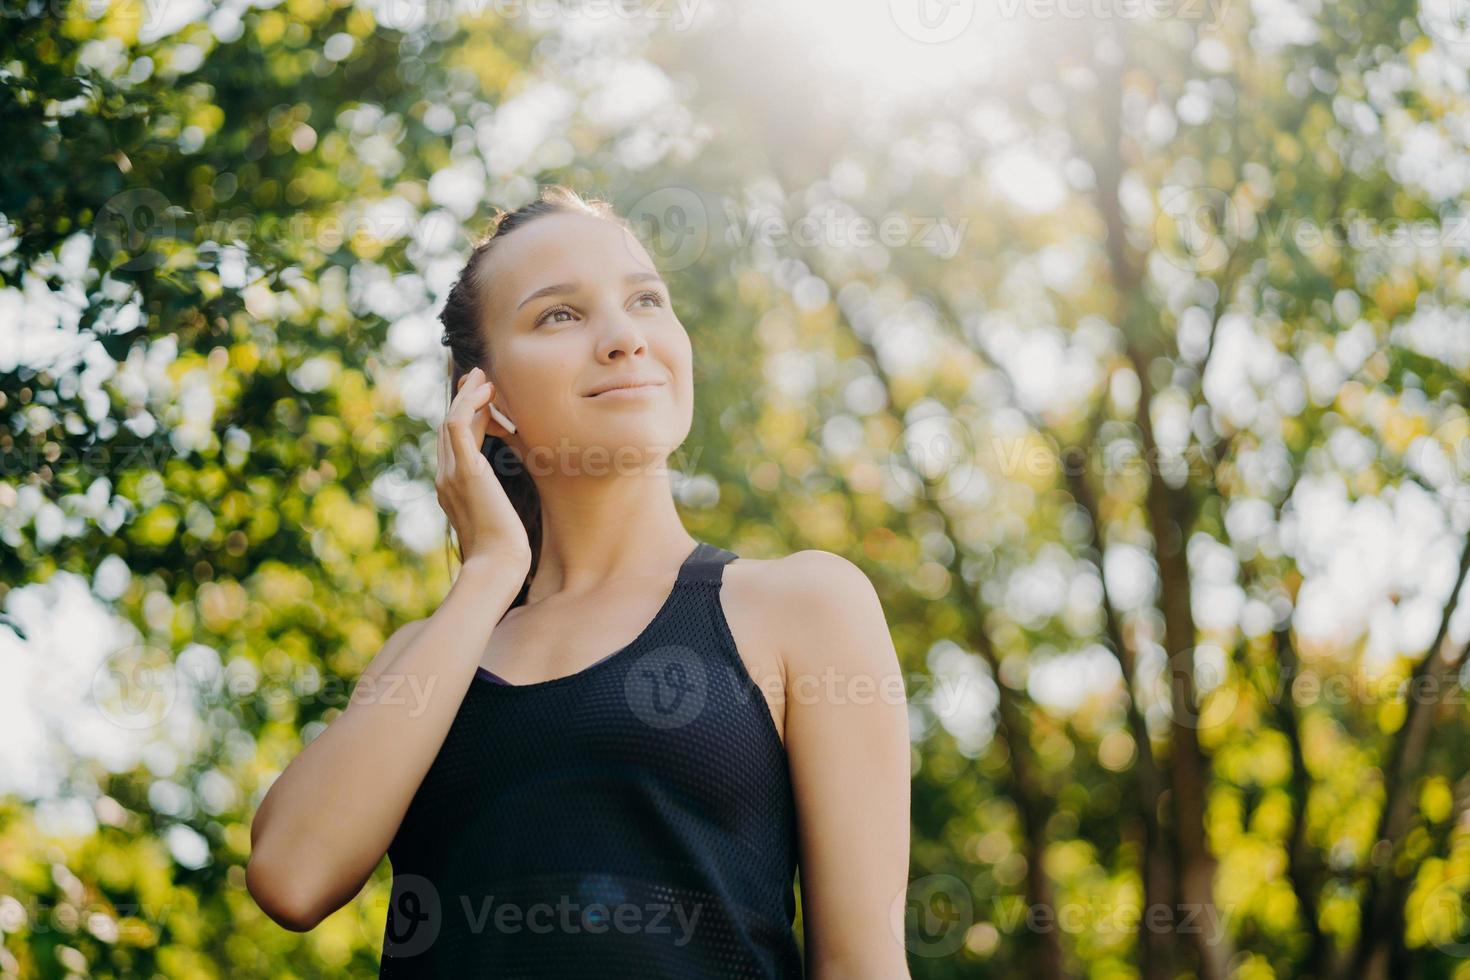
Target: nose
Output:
[(621, 337)]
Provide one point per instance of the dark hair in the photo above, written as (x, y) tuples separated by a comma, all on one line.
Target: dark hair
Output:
[(464, 335)]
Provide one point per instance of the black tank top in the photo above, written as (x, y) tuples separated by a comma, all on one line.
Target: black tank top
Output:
[(634, 819)]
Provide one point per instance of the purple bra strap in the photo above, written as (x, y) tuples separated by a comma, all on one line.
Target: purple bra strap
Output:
[(497, 679)]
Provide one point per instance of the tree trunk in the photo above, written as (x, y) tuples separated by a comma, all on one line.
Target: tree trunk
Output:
[(1380, 923)]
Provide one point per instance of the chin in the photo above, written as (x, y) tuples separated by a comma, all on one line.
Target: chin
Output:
[(635, 438)]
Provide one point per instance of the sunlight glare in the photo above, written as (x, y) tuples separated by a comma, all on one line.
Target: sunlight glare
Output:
[(900, 47)]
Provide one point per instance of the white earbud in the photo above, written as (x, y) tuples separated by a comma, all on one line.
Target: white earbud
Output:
[(499, 416)]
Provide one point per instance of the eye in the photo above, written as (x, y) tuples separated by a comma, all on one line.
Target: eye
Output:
[(549, 313), (658, 300)]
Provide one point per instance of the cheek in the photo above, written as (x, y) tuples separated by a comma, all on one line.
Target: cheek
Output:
[(681, 352), (537, 381)]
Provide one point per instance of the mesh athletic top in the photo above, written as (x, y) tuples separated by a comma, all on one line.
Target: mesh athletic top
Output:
[(634, 819)]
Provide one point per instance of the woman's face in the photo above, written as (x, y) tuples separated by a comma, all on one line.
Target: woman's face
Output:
[(573, 304)]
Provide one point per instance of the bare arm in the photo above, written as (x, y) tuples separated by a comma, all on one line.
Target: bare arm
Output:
[(848, 744), (329, 817)]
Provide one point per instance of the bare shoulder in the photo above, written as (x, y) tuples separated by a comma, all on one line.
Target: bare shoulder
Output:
[(801, 603), (804, 575)]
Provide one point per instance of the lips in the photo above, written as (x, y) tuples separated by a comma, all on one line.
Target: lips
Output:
[(630, 383)]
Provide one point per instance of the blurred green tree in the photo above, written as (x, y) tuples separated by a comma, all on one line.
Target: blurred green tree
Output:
[(1091, 362)]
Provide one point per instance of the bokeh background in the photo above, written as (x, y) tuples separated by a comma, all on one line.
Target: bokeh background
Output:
[(1123, 343)]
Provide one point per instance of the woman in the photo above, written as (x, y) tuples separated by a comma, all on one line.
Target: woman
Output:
[(552, 809)]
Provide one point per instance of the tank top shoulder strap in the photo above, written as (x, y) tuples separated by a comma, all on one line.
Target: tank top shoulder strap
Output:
[(706, 564), (704, 632)]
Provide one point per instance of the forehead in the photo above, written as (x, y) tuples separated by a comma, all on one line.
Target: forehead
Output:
[(558, 248)]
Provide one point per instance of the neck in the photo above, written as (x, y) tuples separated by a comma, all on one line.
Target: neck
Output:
[(596, 530)]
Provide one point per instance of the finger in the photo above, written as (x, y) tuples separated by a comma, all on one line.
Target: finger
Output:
[(464, 450), (458, 397), (471, 380), (473, 413), (480, 421), (446, 455), (468, 402), (458, 400)]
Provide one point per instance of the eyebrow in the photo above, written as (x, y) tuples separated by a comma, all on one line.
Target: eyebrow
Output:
[(571, 287)]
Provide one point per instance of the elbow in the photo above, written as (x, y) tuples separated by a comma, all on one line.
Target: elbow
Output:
[(286, 903)]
